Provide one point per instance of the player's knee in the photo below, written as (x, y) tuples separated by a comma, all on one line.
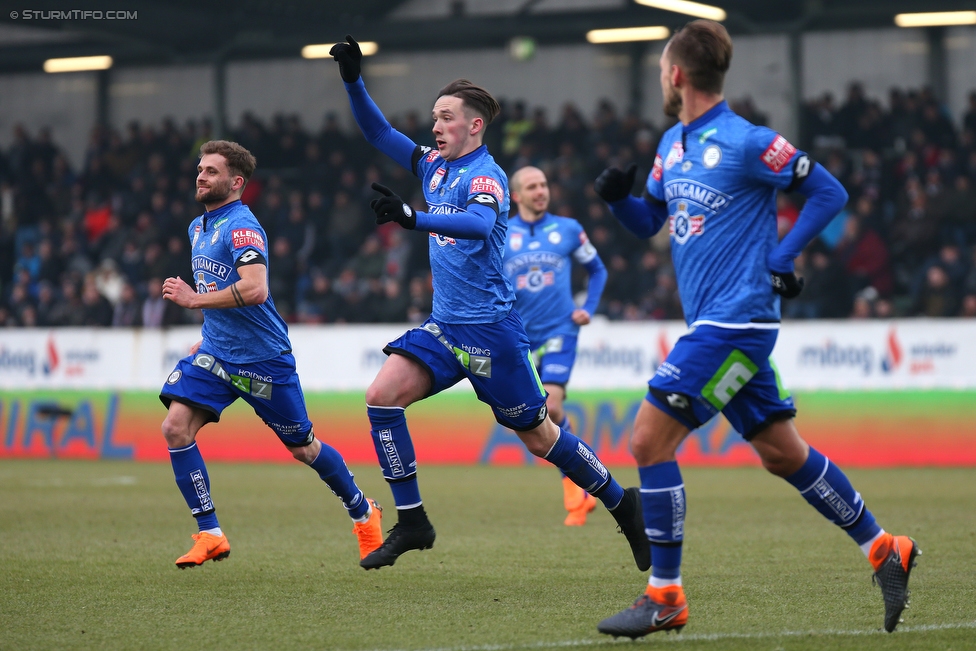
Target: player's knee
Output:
[(380, 394), (177, 434), (781, 463)]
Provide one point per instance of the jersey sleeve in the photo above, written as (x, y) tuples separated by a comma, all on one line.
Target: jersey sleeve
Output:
[(424, 158), (772, 160), (247, 246), (585, 252), (487, 191), (654, 187)]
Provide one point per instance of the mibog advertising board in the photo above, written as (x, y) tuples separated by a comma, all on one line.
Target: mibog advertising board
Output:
[(855, 355)]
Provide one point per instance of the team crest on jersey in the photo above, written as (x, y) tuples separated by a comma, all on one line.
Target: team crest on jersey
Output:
[(515, 241), (216, 236), (555, 237), (455, 182), (436, 179), (712, 156), (778, 154), (675, 155), (682, 226), (196, 236), (203, 286), (443, 240), (487, 184), (658, 168)]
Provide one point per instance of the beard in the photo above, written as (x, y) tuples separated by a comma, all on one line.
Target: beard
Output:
[(216, 193), (672, 102)]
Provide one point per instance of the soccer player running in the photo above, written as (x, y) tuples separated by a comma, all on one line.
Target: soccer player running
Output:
[(474, 332), (245, 353), (714, 181), (538, 262)]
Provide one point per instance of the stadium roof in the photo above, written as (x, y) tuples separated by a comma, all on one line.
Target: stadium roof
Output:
[(162, 32)]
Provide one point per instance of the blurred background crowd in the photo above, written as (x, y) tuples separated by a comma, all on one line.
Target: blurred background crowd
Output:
[(91, 246)]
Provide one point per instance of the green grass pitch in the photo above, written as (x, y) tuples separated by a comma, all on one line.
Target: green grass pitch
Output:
[(87, 551)]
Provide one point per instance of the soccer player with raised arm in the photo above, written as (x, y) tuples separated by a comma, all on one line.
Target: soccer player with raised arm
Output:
[(473, 332), (245, 353), (714, 183), (539, 253)]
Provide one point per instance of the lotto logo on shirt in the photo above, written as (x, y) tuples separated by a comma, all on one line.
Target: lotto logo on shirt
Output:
[(778, 154), (247, 237), (487, 184), (658, 168)]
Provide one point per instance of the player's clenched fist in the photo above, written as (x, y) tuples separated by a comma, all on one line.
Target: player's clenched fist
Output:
[(349, 57), (176, 290), (786, 284), (613, 185), (391, 208)]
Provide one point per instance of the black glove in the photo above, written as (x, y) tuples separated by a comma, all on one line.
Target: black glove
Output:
[(613, 185), (391, 208), (786, 284), (349, 57)]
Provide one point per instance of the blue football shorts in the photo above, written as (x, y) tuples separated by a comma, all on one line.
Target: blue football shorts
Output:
[(271, 387), (712, 369), (554, 358), (495, 357)]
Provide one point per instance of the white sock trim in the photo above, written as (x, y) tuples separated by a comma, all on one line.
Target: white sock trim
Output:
[(655, 582), (214, 532), (866, 547), (384, 407), (403, 507), (546, 456)]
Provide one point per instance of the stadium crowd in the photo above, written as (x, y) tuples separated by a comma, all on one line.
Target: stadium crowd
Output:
[(91, 246)]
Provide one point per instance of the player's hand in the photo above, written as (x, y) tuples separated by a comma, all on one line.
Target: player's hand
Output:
[(176, 290), (349, 57), (391, 208), (580, 316), (613, 185), (786, 284)]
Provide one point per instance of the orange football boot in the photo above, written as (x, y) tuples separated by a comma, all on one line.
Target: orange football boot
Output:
[(206, 547), (578, 503), (369, 533), (893, 558), (658, 609)]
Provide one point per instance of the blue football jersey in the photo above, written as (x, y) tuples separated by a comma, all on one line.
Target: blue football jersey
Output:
[(719, 176), (538, 263), (219, 241), (469, 284)]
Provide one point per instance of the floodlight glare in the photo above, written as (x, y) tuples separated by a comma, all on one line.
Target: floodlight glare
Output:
[(936, 19), (627, 34), (689, 8), (78, 64), (321, 51)]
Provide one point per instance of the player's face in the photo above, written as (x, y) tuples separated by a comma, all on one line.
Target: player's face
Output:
[(452, 128), (672, 98), (214, 182), (533, 192)]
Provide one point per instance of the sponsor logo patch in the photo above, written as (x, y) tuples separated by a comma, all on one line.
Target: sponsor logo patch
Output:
[(515, 241), (675, 155), (436, 179), (712, 156), (658, 168), (778, 154), (174, 377), (247, 237), (487, 184)]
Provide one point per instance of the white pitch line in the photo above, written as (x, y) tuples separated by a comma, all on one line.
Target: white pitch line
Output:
[(697, 637)]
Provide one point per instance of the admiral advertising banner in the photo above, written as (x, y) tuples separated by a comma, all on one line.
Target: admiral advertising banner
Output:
[(877, 393)]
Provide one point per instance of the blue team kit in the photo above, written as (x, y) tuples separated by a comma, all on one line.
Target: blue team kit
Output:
[(245, 352), (718, 177), (538, 263)]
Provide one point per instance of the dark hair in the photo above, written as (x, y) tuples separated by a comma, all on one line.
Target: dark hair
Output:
[(240, 162), (474, 97), (703, 49)]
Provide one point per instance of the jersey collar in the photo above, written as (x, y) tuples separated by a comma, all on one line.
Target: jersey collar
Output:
[(470, 156), (217, 213), (706, 117)]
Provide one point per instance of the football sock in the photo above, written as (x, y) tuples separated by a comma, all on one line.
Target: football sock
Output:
[(215, 532), (565, 426), (333, 471), (394, 449), (413, 516), (828, 490), (663, 499), (194, 482), (578, 462)]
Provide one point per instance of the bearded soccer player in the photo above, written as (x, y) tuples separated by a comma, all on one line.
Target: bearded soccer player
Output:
[(473, 332), (539, 256), (245, 353), (714, 182)]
